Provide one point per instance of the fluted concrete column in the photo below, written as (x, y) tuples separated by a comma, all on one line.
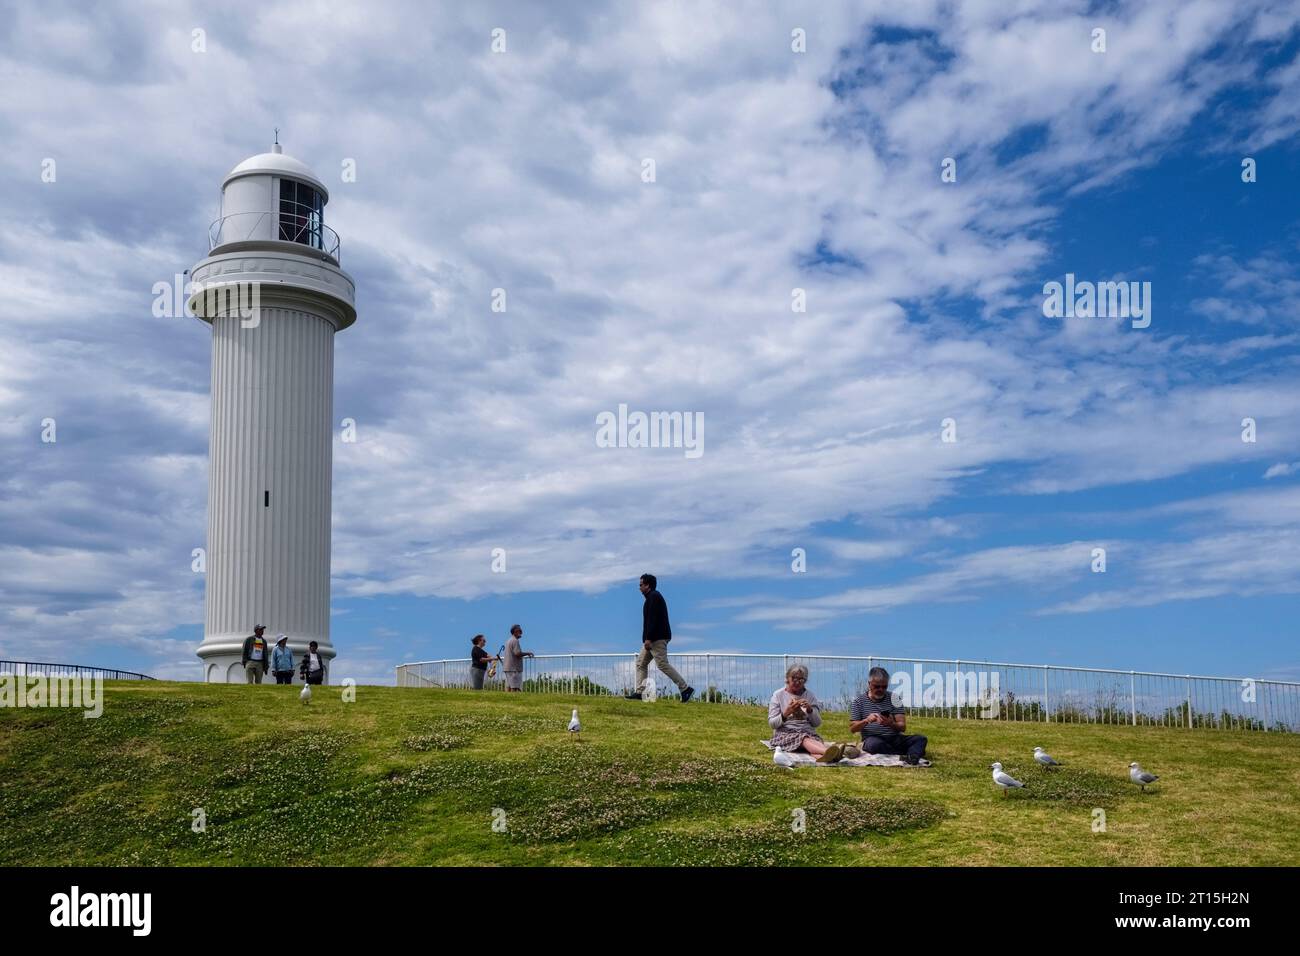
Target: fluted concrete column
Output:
[(270, 464)]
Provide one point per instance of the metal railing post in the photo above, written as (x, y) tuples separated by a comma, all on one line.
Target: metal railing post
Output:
[(1132, 697), (1189, 701), (956, 686), (1045, 707), (573, 681), (708, 676)]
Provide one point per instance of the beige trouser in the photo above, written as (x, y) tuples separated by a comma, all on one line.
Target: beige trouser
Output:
[(253, 671), (659, 651)]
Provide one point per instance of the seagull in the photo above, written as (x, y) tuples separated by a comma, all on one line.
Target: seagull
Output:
[(1046, 759), (1003, 780), (781, 758), (1140, 776), (305, 696), (575, 726)]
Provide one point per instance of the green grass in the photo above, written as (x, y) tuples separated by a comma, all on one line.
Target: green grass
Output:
[(412, 776)]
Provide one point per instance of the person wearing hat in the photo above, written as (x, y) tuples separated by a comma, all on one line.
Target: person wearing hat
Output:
[(257, 655), (282, 660)]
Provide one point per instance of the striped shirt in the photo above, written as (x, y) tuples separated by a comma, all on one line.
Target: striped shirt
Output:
[(863, 705)]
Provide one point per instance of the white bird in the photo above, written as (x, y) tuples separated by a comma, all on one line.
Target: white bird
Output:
[(575, 726), (781, 758), (1140, 776), (305, 696), (1004, 780), (1046, 759)]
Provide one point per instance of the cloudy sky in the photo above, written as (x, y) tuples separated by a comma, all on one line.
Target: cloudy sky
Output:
[(775, 170)]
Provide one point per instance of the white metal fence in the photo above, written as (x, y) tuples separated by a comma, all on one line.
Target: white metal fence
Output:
[(958, 689), (46, 669)]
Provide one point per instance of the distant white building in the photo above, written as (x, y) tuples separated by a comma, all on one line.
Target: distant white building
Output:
[(273, 293)]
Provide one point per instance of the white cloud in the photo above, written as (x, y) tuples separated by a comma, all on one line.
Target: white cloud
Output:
[(520, 171)]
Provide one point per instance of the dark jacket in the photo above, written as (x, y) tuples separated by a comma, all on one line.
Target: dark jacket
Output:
[(306, 662), (654, 616), (266, 651)]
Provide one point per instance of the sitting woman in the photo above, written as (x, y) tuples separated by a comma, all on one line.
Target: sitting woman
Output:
[(794, 714)]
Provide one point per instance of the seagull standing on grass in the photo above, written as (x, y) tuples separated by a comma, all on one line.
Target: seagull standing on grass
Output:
[(1140, 776), (305, 696), (1004, 780), (781, 758), (1044, 758), (575, 726)]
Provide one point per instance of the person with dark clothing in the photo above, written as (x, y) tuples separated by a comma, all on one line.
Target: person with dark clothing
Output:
[(656, 632), (312, 668), (479, 659), (257, 655), (881, 721)]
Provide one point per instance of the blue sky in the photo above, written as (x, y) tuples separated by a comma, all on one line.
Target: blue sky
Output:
[(775, 170)]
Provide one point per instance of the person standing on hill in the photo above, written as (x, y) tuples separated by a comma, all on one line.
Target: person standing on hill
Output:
[(282, 660), (257, 655), (512, 661), (479, 659), (313, 666), (656, 632)]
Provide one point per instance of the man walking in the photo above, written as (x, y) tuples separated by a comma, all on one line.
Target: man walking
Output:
[(882, 722), (512, 660), (655, 635), (282, 660)]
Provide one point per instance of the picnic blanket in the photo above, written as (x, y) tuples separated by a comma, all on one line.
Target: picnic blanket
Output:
[(866, 760)]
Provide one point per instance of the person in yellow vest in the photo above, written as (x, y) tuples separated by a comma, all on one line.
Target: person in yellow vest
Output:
[(257, 655)]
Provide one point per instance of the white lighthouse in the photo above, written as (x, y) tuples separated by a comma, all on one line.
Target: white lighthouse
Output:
[(273, 293)]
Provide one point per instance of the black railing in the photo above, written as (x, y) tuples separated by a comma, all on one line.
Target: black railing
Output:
[(47, 669)]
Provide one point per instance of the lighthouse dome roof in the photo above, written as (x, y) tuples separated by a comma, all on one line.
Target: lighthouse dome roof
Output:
[(276, 164)]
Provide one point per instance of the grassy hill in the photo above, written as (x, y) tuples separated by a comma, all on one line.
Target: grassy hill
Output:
[(411, 776)]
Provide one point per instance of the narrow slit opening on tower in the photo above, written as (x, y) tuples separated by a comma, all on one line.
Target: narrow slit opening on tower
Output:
[(266, 499)]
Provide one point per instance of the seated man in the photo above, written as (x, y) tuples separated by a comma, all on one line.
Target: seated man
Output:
[(882, 722)]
